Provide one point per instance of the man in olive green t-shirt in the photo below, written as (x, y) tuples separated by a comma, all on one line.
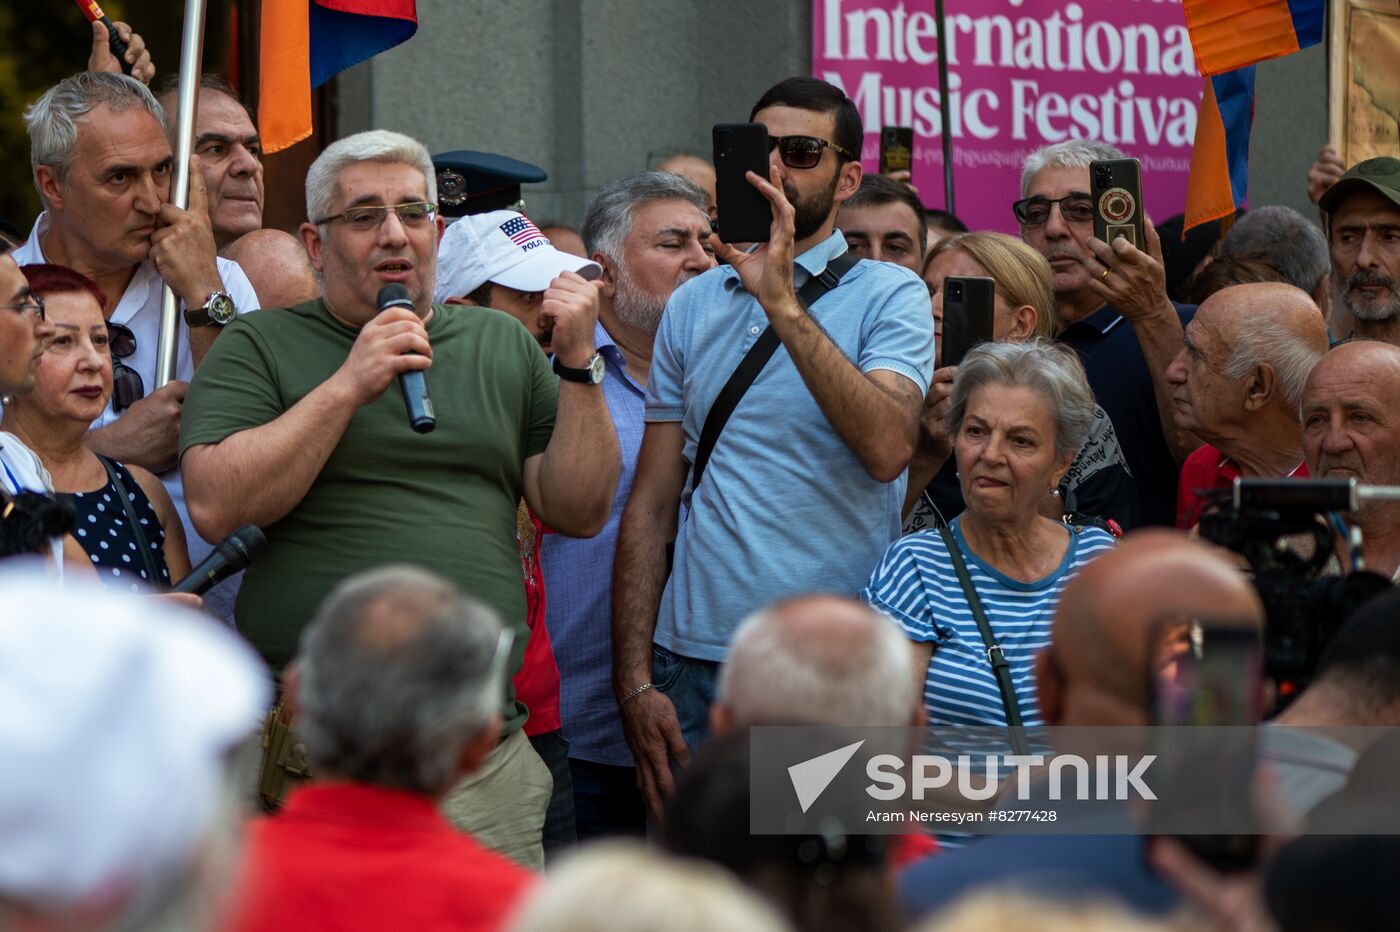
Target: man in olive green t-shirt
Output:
[(294, 424)]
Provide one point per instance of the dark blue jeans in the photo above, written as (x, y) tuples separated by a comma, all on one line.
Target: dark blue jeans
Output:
[(690, 685)]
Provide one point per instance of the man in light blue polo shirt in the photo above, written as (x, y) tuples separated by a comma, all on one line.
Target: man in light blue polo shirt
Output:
[(803, 490)]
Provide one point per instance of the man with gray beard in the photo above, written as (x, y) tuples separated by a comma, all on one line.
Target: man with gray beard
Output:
[(1363, 234), (649, 232)]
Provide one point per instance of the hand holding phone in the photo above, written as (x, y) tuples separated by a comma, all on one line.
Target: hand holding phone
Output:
[(1115, 187)]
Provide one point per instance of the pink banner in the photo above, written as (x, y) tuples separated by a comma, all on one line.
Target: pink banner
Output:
[(1021, 74)]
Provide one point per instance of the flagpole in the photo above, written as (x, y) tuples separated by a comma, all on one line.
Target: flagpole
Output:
[(191, 63), (944, 115)]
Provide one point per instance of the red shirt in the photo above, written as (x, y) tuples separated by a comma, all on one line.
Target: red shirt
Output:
[(537, 680), (345, 857), (1205, 470)]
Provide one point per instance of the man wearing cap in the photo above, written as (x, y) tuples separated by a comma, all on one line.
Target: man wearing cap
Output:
[(471, 182), (477, 257), (1363, 232), (501, 260), (295, 423)]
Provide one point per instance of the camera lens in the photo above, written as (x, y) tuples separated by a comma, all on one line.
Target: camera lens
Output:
[(955, 290)]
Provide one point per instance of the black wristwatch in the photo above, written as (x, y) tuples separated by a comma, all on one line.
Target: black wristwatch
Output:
[(591, 374), (216, 312)]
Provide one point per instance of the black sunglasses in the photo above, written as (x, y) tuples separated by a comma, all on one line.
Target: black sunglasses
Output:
[(127, 387), (1033, 211), (804, 151)]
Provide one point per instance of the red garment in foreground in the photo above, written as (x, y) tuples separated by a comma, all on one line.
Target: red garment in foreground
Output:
[(344, 857), (1205, 470)]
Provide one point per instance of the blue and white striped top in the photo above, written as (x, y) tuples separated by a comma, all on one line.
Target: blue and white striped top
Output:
[(916, 585)]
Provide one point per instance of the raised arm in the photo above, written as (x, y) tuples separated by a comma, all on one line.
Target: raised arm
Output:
[(571, 485), (258, 475), (1136, 284), (875, 414)]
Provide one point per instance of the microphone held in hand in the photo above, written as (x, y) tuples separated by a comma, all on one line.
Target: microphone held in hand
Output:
[(232, 555), (413, 385)]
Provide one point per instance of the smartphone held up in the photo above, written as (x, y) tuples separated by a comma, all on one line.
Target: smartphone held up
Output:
[(744, 213)]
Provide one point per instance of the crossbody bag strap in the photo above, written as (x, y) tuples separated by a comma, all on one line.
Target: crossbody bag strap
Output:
[(753, 362), (143, 546), (995, 655)]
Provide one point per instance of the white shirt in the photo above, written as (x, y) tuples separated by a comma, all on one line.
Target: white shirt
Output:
[(139, 309), (22, 471)]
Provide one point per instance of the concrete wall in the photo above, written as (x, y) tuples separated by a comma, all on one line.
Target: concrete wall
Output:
[(595, 89), (588, 89), (1290, 126)]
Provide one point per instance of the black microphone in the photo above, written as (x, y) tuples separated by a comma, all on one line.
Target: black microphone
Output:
[(412, 383), (233, 554)]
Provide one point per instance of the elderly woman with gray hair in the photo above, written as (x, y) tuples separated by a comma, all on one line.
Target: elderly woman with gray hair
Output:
[(976, 597)]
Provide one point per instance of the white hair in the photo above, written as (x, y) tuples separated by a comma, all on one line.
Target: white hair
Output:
[(1293, 243), (779, 674), (377, 145), (52, 120), (1047, 367), (1072, 153), (623, 886), (398, 711), (1267, 340)]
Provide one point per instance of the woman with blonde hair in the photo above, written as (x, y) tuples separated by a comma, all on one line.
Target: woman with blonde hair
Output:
[(1098, 485)]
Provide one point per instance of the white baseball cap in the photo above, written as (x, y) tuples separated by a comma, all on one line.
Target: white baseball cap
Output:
[(117, 716), (505, 248)]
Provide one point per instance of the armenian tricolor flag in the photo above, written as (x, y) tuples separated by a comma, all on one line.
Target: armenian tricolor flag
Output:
[(1229, 37), (1230, 34), (305, 43), (1219, 179)]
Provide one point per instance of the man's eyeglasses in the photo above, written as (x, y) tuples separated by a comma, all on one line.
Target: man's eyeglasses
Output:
[(1034, 211), (369, 217), (32, 303), (803, 151), (127, 387)]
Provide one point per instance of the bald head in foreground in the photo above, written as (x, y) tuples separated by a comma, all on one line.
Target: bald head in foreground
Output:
[(816, 660), (1351, 429), (1097, 668)]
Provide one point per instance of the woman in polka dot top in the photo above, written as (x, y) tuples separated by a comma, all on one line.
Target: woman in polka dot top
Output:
[(127, 524)]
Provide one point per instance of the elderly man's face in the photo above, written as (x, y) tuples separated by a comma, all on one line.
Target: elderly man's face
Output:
[(669, 243), (1206, 402), (1351, 425), (1059, 240), (22, 333), (118, 179), (230, 158), (1365, 247), (355, 263)]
